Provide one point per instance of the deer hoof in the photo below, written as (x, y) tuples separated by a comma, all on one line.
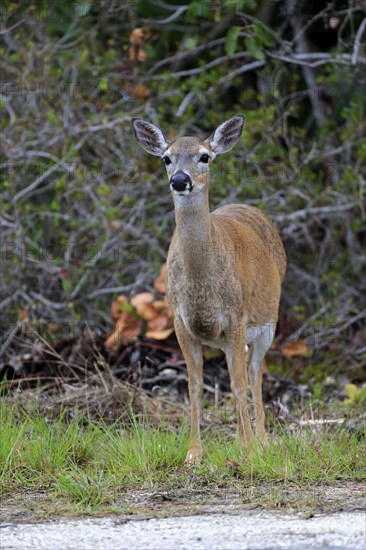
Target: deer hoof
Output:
[(194, 455)]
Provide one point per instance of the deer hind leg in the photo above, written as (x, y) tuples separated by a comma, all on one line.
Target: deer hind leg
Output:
[(192, 352), (236, 362), (260, 346)]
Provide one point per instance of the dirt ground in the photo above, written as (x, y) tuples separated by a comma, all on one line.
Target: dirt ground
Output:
[(29, 506)]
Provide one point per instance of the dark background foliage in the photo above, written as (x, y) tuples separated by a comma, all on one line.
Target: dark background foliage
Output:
[(87, 215)]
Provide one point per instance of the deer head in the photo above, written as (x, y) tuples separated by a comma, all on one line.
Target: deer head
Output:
[(187, 159)]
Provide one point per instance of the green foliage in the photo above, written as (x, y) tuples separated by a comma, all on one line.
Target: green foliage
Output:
[(87, 211), (356, 396), (231, 40), (253, 46)]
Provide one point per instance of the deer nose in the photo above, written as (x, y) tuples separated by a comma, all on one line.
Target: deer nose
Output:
[(180, 181)]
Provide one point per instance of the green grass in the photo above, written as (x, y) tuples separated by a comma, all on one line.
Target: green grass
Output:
[(90, 463)]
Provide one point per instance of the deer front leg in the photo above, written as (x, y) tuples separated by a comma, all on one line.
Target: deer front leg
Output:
[(237, 366), (192, 352), (256, 378)]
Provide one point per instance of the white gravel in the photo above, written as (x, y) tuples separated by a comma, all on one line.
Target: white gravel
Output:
[(246, 530)]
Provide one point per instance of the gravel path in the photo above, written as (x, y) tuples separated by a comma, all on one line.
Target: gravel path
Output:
[(246, 530)]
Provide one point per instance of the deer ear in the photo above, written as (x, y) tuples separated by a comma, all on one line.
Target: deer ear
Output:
[(226, 135), (150, 137)]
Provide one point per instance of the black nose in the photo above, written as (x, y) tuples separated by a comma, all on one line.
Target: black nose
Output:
[(180, 181)]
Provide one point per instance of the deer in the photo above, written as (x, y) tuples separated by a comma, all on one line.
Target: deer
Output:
[(224, 275)]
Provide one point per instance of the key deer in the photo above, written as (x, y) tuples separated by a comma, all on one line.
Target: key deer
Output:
[(224, 274)]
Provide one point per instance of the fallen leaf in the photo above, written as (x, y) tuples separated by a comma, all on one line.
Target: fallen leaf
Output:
[(117, 307), (132, 54), (147, 311), (160, 282), (297, 347), (142, 56), (232, 464), (139, 91), (159, 335), (142, 298), (162, 307), (137, 36), (127, 329), (159, 305), (158, 323), (136, 51), (23, 315)]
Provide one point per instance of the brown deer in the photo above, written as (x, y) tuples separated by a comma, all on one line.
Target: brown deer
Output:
[(224, 273)]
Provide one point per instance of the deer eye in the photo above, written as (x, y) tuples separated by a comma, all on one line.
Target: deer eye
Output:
[(167, 160), (204, 158)]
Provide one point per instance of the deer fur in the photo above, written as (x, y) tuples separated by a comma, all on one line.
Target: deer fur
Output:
[(224, 274)]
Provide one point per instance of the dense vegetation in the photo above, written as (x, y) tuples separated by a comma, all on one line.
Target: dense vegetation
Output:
[(86, 215)]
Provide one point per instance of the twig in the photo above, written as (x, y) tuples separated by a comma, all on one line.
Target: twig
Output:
[(323, 59), (169, 19), (299, 331), (310, 22), (335, 151), (302, 47), (244, 69), (184, 55), (9, 108), (9, 339), (98, 127), (114, 289), (198, 70), (305, 212), (357, 43), (48, 303), (38, 181), (12, 27), (270, 31)]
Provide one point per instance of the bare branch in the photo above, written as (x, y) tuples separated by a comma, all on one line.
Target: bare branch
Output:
[(12, 27), (321, 210), (198, 70), (357, 43), (243, 69), (178, 57), (169, 19)]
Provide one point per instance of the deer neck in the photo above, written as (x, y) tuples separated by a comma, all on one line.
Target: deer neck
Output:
[(194, 230)]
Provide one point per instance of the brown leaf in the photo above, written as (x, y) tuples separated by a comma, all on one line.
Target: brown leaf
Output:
[(162, 307), (160, 322), (159, 334), (127, 329), (136, 51), (232, 464), (117, 307), (147, 311), (160, 327), (23, 315), (139, 91), (132, 54), (142, 56), (142, 298), (137, 36), (160, 282), (297, 347)]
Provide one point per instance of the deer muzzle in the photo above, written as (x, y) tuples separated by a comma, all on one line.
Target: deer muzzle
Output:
[(181, 182)]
